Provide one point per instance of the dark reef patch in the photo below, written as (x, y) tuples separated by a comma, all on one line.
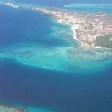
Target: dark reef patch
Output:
[(104, 41)]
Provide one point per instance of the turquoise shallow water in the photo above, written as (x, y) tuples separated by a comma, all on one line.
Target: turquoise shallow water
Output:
[(41, 66), (46, 44), (64, 59)]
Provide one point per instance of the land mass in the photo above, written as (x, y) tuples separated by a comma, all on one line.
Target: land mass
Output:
[(92, 30), (5, 108)]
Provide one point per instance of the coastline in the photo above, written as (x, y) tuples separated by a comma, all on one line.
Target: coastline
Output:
[(73, 29), (86, 27), (44, 76)]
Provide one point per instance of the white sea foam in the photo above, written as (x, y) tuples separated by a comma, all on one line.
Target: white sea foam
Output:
[(11, 5), (59, 21), (19, 5), (73, 28), (97, 47)]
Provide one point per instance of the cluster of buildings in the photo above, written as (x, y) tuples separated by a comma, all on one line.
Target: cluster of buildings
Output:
[(87, 26)]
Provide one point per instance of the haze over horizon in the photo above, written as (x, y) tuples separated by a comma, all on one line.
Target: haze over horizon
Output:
[(61, 2)]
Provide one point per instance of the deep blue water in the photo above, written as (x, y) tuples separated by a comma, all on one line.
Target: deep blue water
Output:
[(27, 26), (45, 88), (59, 91), (22, 26)]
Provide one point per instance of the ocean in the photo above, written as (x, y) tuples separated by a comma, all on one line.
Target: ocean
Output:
[(36, 72)]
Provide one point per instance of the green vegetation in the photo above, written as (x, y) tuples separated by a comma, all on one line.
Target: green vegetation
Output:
[(104, 41)]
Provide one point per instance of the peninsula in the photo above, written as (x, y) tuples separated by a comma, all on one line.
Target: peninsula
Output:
[(92, 30)]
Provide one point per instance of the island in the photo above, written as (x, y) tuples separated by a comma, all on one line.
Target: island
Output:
[(6, 108), (91, 30)]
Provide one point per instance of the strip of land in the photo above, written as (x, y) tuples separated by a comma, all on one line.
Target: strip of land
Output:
[(92, 30)]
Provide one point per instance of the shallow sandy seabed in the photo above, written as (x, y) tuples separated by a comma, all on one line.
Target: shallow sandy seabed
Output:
[(32, 109), (64, 59), (21, 108)]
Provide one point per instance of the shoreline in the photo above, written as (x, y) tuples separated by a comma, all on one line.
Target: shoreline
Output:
[(85, 27)]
